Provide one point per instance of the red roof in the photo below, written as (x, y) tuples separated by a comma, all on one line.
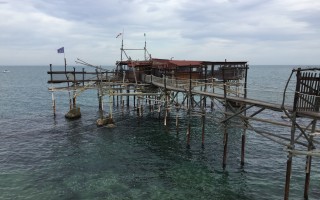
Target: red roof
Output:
[(184, 63), (165, 63)]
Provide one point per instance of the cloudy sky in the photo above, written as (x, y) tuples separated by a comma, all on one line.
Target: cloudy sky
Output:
[(258, 31)]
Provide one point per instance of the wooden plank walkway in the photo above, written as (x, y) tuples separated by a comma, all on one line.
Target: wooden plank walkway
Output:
[(247, 101)]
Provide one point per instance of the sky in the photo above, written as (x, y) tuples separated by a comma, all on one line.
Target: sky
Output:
[(258, 31)]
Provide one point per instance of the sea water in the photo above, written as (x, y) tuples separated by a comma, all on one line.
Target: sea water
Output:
[(47, 157)]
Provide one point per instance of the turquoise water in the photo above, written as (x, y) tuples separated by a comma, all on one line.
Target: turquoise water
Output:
[(42, 157)]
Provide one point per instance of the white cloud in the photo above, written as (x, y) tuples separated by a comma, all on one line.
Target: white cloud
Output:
[(259, 31)]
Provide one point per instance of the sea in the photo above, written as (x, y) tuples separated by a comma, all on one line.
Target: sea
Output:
[(46, 157)]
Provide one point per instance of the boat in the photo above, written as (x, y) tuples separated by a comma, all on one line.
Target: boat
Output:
[(6, 71)]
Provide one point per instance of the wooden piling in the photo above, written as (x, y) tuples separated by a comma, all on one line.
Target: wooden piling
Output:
[(225, 147), (203, 118), (307, 179), (292, 139), (177, 121), (128, 97), (189, 110), (165, 117), (134, 99), (243, 143), (308, 161), (243, 137), (225, 139), (188, 134), (53, 105), (212, 70)]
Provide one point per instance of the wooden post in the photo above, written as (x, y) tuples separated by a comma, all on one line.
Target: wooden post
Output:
[(51, 72), (243, 137), (128, 97), (117, 97), (225, 139), (53, 100), (99, 93), (189, 111), (75, 88), (134, 99), (53, 105), (225, 147), (190, 87), (83, 77), (205, 86), (188, 134), (308, 162), (140, 110), (292, 141), (212, 69), (166, 97), (65, 71), (113, 98), (203, 117), (165, 117), (121, 95), (243, 142), (138, 105), (308, 172), (177, 121)]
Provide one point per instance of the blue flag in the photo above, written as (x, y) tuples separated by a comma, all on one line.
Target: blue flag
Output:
[(61, 50)]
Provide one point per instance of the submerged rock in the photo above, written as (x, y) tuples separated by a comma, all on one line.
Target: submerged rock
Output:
[(101, 121), (111, 126), (74, 113), (106, 121)]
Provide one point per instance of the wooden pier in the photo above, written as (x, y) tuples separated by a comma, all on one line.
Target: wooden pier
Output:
[(207, 90)]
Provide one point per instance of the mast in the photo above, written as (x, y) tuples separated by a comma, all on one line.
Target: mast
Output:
[(145, 47), (122, 44)]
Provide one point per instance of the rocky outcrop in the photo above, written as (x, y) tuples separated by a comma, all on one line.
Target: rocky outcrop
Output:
[(73, 113)]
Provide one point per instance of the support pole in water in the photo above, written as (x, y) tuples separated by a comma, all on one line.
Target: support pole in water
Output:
[(225, 147), (308, 162), (128, 97), (292, 140), (243, 143), (52, 95), (212, 69), (243, 137), (177, 121), (118, 97), (53, 105), (134, 99), (74, 98), (288, 176), (203, 118), (189, 110), (225, 138), (307, 180), (205, 86), (166, 98)]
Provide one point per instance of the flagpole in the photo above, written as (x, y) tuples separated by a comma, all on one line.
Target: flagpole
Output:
[(65, 71), (65, 62)]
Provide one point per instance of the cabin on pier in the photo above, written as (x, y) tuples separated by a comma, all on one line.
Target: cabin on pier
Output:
[(134, 71)]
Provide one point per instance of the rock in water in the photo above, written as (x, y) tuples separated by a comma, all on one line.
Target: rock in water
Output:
[(101, 121), (105, 121), (74, 113)]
